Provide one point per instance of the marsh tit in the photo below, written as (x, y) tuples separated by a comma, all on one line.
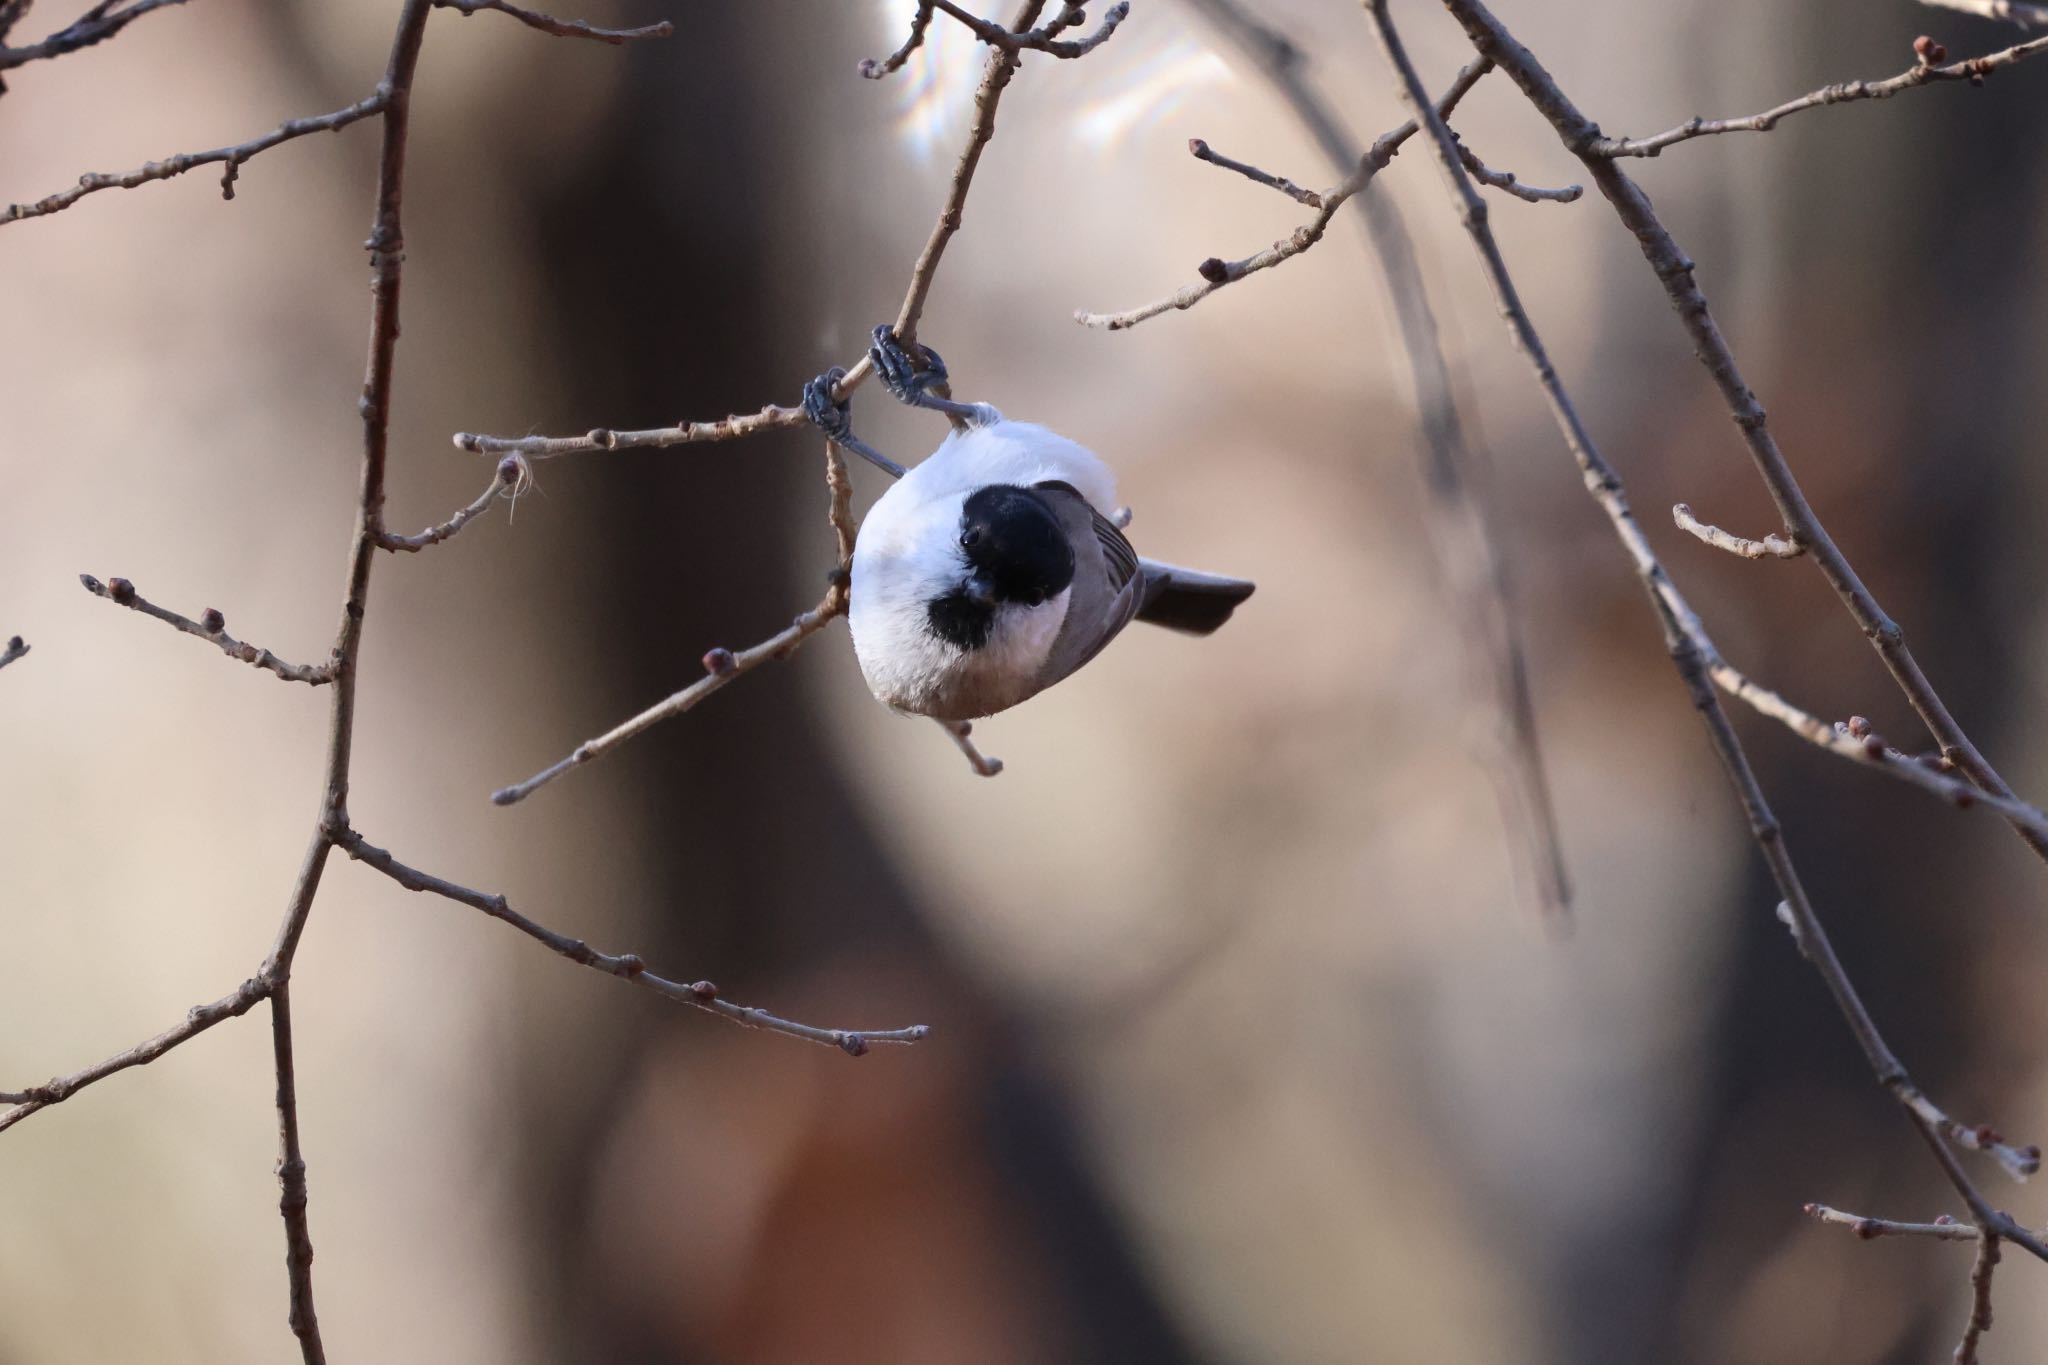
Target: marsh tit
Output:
[(996, 567)]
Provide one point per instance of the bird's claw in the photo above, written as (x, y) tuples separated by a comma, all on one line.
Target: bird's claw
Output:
[(828, 412), (909, 380)]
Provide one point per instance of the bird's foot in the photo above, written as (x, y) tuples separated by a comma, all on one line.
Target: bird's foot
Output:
[(910, 379)]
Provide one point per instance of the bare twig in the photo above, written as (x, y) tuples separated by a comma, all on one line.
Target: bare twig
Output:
[(875, 69), (1463, 521), (508, 479), (626, 966), (96, 25), (198, 1019), (16, 647), (2032, 16), (291, 1180), (211, 626), (1506, 182), (1926, 71), (561, 28), (1770, 547), (1605, 486), (1980, 1300), (722, 666), (1675, 270), (962, 733), (770, 418), (1202, 151), (184, 161), (1942, 1229), (1014, 39), (1216, 272)]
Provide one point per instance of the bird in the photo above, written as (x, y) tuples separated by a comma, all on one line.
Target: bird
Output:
[(997, 566)]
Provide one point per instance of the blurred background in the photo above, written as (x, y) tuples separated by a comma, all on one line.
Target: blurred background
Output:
[(1247, 1044)]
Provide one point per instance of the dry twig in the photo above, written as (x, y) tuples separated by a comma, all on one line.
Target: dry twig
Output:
[(1926, 71), (211, 626), (1770, 547), (96, 25), (1942, 1229), (1014, 39), (1606, 487), (561, 28), (1202, 151)]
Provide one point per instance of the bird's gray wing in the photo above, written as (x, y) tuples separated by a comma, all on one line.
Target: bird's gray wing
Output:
[(1107, 589)]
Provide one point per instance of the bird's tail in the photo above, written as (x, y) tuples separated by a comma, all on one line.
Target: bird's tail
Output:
[(1184, 599)]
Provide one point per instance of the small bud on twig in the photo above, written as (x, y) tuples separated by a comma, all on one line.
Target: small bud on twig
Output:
[(212, 622), (1928, 51), (719, 662), (1213, 270)]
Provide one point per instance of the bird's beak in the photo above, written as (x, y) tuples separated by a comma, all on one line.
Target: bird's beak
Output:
[(979, 591)]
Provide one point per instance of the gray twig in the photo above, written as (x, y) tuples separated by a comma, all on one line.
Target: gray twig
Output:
[(1770, 547), (212, 627), (561, 28)]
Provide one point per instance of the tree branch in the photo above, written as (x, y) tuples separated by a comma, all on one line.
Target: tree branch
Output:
[(2030, 16), (1216, 272), (291, 1180), (1009, 40), (508, 480), (1942, 1229), (560, 28), (1980, 1300), (1925, 71), (1506, 182), (212, 627), (184, 161), (1607, 490), (1675, 270), (1770, 547), (1203, 152), (96, 25), (626, 966)]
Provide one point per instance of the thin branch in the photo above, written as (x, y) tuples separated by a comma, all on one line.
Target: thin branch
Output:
[(1942, 1229), (198, 1019), (626, 966), (184, 161), (1675, 270), (507, 480), (1463, 521), (1606, 488), (291, 1180), (1202, 151), (1047, 39), (770, 418), (1216, 272), (16, 647), (1770, 547), (875, 70), (98, 24), (560, 28), (962, 733), (1506, 182), (2030, 16), (212, 627), (1980, 1300), (1925, 71), (722, 666)]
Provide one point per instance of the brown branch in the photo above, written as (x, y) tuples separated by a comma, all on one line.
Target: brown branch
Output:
[(198, 1019), (560, 28), (96, 25), (1607, 490), (212, 627), (1980, 1300), (1216, 272), (1202, 151), (1463, 521), (962, 732), (1770, 547), (510, 477), (1009, 40), (184, 161), (1925, 71), (291, 1180), (16, 647), (1506, 182), (875, 70), (626, 966), (1675, 270), (722, 666), (1942, 1229), (2031, 16), (770, 418)]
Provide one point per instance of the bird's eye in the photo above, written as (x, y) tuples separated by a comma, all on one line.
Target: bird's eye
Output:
[(1037, 597), (971, 538)]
